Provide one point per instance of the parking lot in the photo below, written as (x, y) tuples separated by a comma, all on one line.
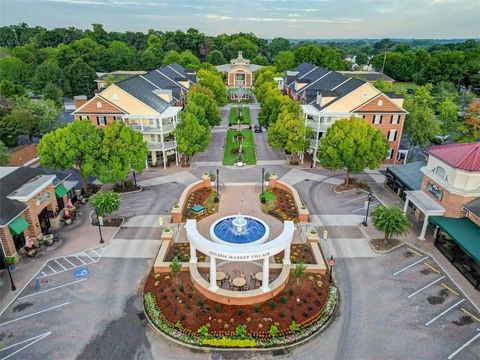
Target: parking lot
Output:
[(438, 304)]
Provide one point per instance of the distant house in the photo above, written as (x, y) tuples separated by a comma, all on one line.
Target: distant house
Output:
[(103, 79), (239, 74), (149, 103), (327, 96)]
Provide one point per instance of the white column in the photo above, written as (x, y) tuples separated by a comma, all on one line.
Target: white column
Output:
[(176, 156), (213, 274), (286, 257), (146, 164), (164, 159), (405, 207), (265, 274), (193, 254), (424, 228)]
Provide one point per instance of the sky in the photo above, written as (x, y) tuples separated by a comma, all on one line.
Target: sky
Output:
[(293, 19)]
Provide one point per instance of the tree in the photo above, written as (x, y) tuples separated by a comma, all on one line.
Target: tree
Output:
[(81, 78), (307, 53), (215, 57), (204, 98), (298, 271), (9, 89), (120, 56), (4, 154), (106, 202), (175, 267), (361, 59), (289, 133), (15, 70), (391, 221), (470, 128), (278, 45), (353, 145), (10, 131), (123, 150), (189, 61), (171, 57), (284, 60), (48, 72), (448, 116), (260, 60), (191, 137), (75, 146), (53, 93), (213, 81), (153, 55)]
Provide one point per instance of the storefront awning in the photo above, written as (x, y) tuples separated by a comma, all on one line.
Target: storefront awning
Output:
[(60, 190), (18, 226), (463, 231)]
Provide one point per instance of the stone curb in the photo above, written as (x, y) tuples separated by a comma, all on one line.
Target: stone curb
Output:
[(131, 192), (211, 349), (54, 258)]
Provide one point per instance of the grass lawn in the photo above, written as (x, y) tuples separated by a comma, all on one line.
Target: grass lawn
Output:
[(233, 118), (248, 148), (269, 196), (403, 86)]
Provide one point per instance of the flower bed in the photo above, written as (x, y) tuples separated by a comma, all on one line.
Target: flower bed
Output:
[(293, 315), (280, 204), (182, 251), (299, 253), (204, 197)]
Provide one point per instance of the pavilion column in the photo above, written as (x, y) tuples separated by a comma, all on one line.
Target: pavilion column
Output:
[(213, 274), (405, 207), (193, 254), (424, 228), (265, 274), (286, 256)]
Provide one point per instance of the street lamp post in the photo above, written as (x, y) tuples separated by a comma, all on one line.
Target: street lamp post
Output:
[(134, 178), (216, 199), (365, 221), (11, 279), (99, 227), (263, 178), (331, 263)]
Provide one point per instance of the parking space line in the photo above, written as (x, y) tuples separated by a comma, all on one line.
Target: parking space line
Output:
[(70, 262), (54, 288), (54, 271), (409, 266), (89, 257), (83, 262), (363, 208), (450, 289), (413, 251), (431, 267), (35, 313), (43, 273), (64, 268), (464, 346), (425, 287), (360, 198), (444, 312), (35, 339), (96, 253), (470, 314)]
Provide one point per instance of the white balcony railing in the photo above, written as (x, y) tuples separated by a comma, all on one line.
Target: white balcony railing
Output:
[(323, 127), (158, 146), (166, 128)]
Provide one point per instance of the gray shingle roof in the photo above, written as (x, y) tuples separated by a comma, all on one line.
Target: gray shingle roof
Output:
[(144, 91), (473, 206)]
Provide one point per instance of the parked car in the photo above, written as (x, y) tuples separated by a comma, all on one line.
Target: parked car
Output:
[(257, 128)]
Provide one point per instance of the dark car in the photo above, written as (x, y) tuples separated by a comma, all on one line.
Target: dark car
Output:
[(257, 128)]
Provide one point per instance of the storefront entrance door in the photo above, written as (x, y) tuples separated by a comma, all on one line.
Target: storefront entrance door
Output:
[(19, 241), (44, 220)]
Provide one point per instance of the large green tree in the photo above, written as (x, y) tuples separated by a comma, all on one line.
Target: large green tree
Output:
[(48, 72), (215, 57), (213, 81), (352, 145), (15, 70), (120, 56), (448, 116), (191, 137), (4, 154), (470, 127), (189, 61), (153, 55), (205, 98), (81, 78), (76, 146), (171, 57), (123, 150), (284, 60)]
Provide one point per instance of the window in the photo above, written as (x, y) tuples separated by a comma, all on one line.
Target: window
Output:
[(394, 119), (377, 119), (440, 171), (99, 104), (84, 117), (380, 103), (101, 120), (390, 154), (152, 137), (392, 135)]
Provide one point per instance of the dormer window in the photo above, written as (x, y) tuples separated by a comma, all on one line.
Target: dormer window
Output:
[(440, 171), (99, 105), (380, 103)]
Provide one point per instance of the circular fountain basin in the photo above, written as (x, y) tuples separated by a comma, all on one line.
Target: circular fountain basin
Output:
[(225, 231)]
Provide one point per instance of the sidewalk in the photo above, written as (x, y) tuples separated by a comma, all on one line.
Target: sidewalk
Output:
[(391, 199), (72, 239)]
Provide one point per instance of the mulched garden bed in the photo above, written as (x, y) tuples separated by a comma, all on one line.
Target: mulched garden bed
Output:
[(299, 303), (380, 245), (182, 251), (114, 222), (353, 184), (121, 190), (204, 197), (298, 253), (283, 207)]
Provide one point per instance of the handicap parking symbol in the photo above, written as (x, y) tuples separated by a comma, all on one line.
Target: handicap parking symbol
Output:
[(81, 272)]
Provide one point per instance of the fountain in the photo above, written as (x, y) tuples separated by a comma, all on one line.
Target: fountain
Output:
[(239, 230)]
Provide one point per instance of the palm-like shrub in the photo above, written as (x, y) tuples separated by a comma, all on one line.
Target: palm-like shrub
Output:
[(106, 202), (390, 221)]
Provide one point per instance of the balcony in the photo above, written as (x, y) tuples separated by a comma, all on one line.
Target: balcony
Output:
[(167, 145), (323, 127), (152, 128)]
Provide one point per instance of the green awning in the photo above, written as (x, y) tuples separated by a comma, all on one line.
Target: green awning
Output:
[(463, 231), (60, 190), (18, 226)]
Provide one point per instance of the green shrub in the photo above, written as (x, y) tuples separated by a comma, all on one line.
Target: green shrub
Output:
[(257, 308), (11, 260), (240, 312), (181, 288), (273, 331), (294, 326), (178, 325), (189, 294), (228, 342), (218, 308), (200, 303), (273, 305), (283, 299), (291, 292), (241, 330), (203, 330)]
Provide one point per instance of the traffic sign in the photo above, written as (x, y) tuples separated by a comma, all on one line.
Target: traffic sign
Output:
[(331, 262), (325, 234)]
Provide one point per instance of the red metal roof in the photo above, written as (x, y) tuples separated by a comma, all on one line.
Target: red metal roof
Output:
[(461, 156)]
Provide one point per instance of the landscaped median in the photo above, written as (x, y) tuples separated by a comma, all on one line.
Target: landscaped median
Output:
[(266, 325), (232, 147), (243, 113)]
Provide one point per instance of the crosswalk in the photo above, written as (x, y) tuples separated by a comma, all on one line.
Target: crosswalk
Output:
[(133, 248), (71, 262), (294, 176), (183, 177)]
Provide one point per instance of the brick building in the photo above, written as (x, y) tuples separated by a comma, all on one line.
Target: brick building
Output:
[(327, 96), (29, 200)]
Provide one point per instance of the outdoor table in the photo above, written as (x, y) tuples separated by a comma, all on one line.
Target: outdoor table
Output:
[(259, 276), (239, 282), (197, 209), (220, 275)]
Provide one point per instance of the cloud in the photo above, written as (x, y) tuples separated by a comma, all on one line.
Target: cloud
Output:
[(219, 17)]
